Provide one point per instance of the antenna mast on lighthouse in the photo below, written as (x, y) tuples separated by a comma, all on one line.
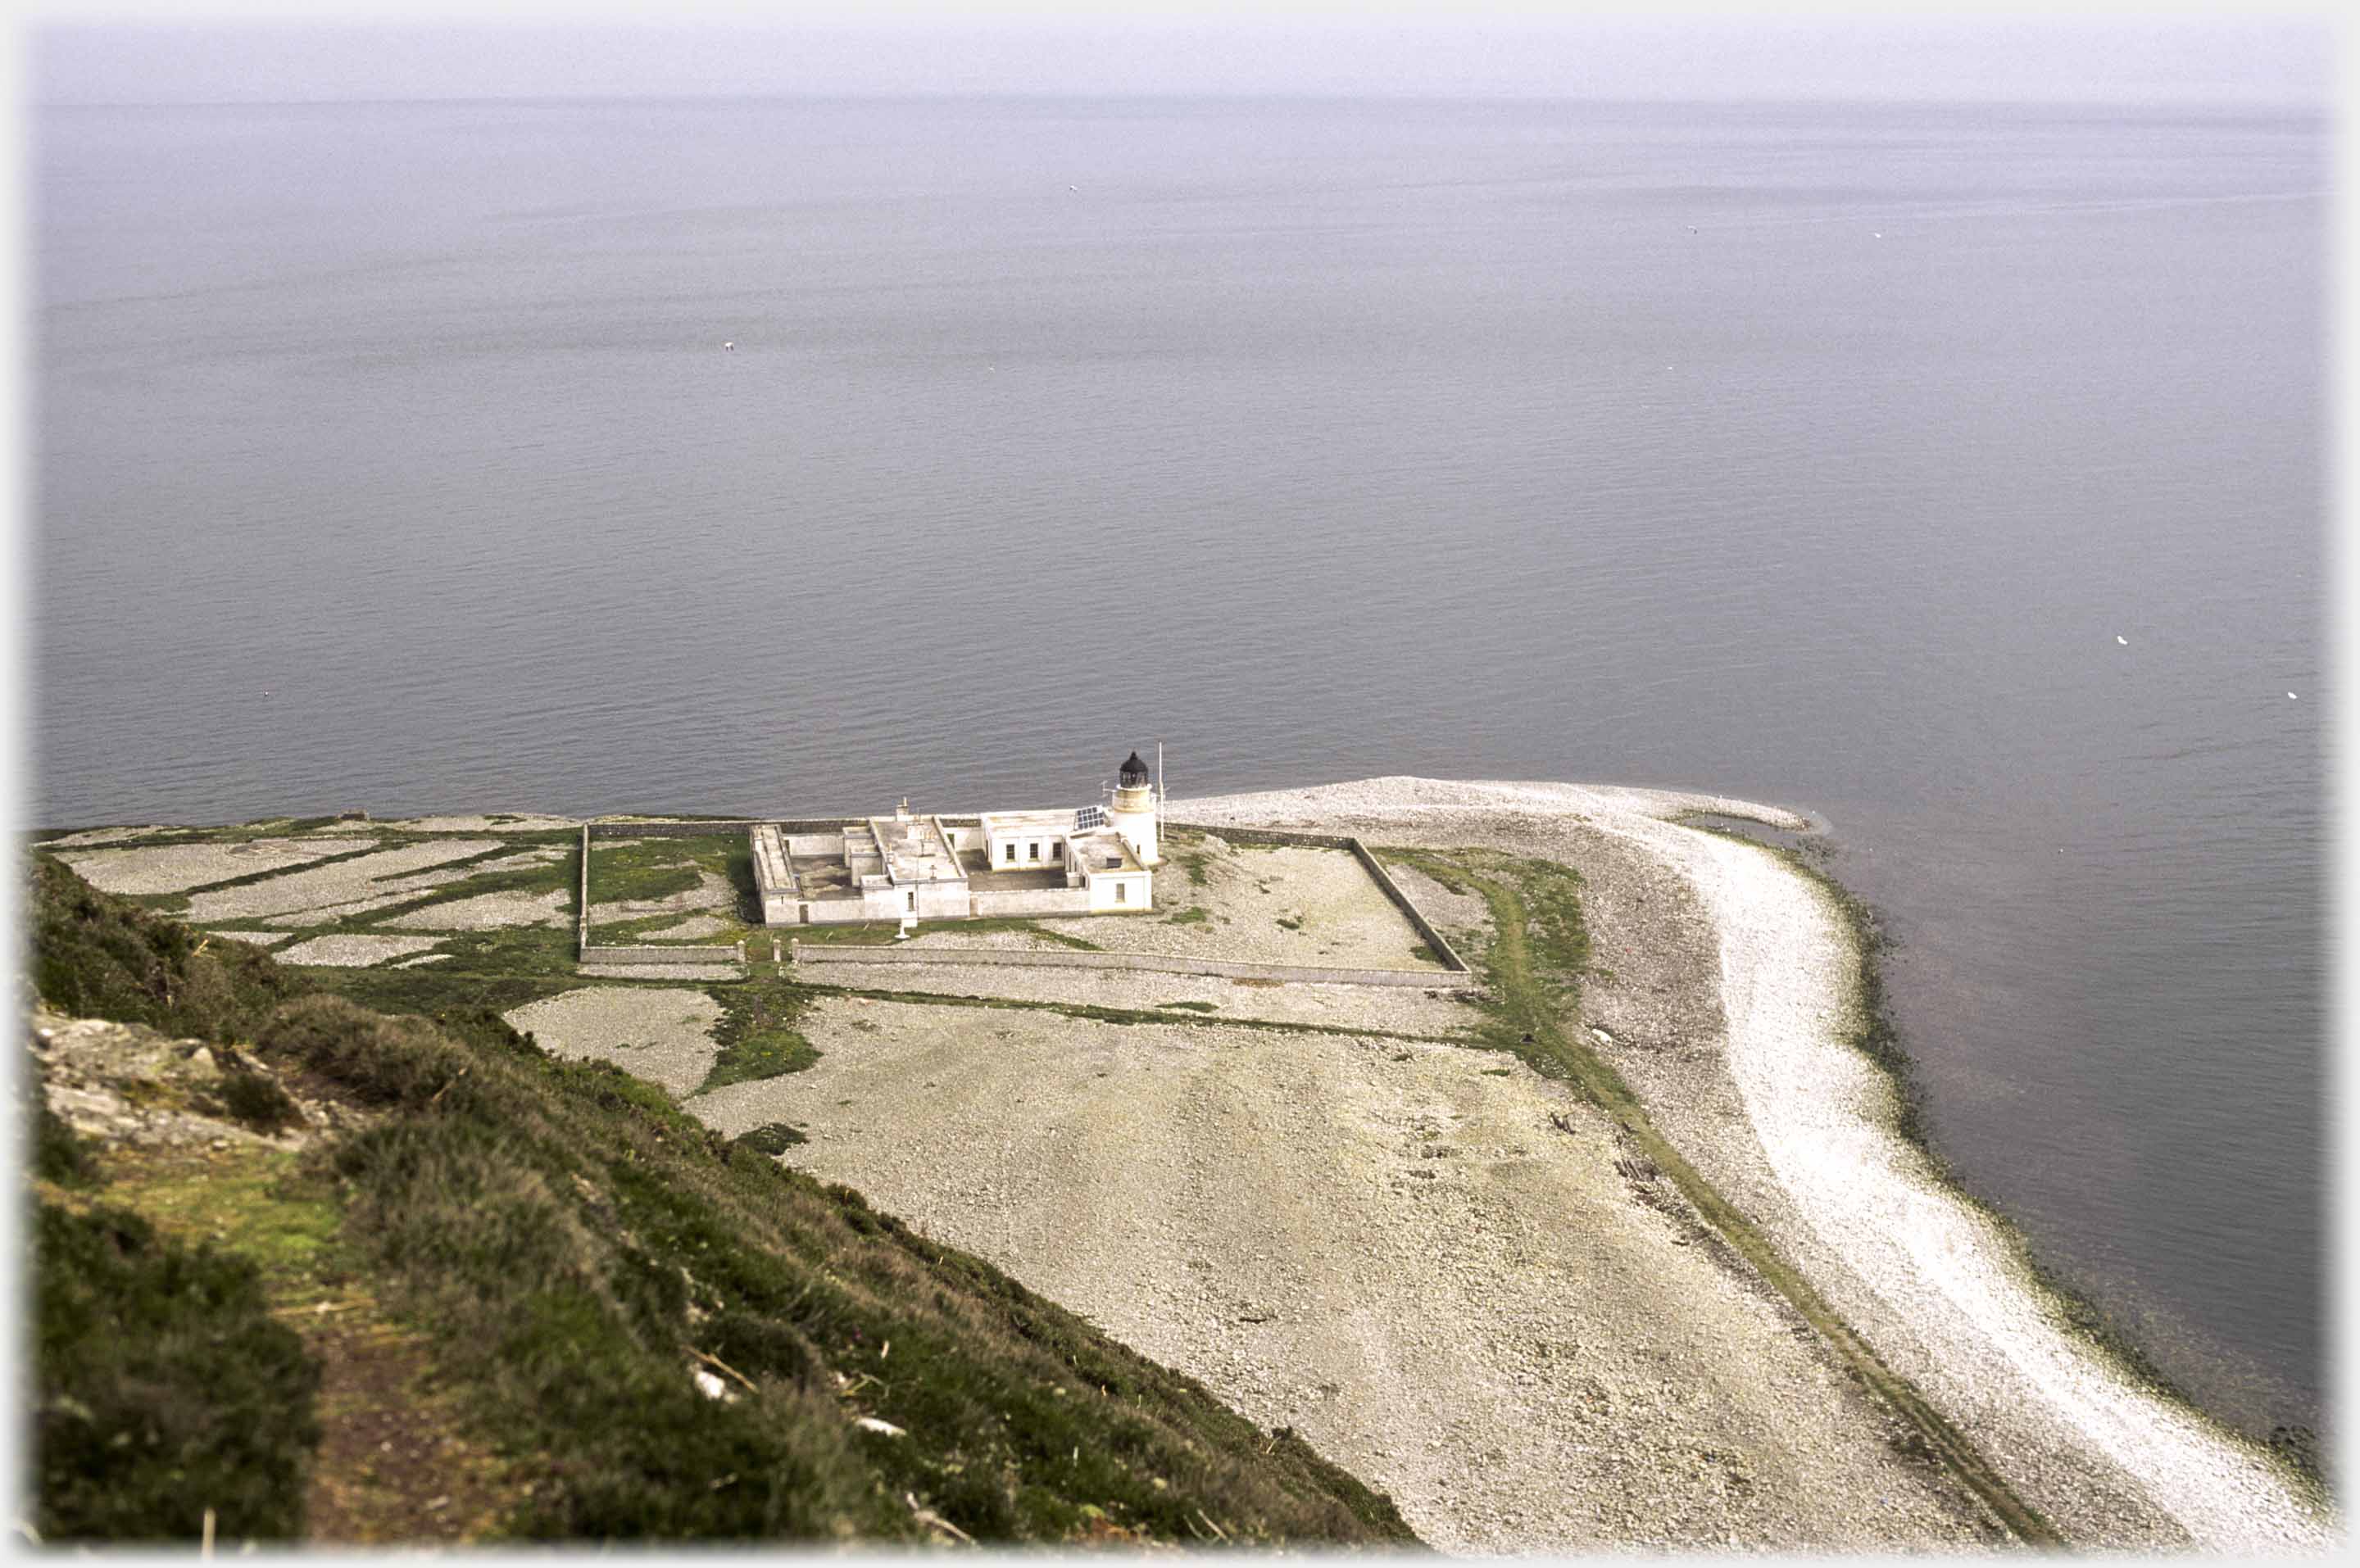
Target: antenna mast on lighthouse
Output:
[(1158, 778)]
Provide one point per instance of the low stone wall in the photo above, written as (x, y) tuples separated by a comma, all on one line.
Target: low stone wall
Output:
[(582, 904), (1150, 962), (665, 830), (1368, 862), (707, 830), (646, 954)]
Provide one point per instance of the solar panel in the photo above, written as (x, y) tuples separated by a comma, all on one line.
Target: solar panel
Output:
[(1090, 816)]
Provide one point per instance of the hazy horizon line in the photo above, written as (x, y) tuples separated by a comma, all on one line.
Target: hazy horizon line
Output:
[(2294, 102)]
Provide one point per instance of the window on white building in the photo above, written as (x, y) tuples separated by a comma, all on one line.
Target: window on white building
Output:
[(1122, 892), (1036, 850), (1012, 851)]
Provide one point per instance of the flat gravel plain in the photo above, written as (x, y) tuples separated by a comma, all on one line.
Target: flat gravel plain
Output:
[(660, 1033), (172, 867), (1393, 1248)]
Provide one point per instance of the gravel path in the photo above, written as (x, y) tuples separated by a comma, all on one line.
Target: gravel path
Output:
[(660, 1033), (1388, 1247), (1935, 1285), (171, 867)]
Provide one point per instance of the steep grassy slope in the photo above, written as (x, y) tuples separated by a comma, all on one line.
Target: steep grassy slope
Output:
[(577, 1251)]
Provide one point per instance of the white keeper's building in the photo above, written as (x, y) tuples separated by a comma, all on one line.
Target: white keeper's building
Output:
[(1091, 860)]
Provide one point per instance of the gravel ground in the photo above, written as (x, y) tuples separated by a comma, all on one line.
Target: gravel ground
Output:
[(252, 938), (352, 951), (490, 911), (171, 867), (539, 854), (1732, 979), (660, 971), (342, 888), (1463, 917), (1345, 918), (662, 1034), (520, 821), (1399, 1009), (106, 835), (1387, 1247)]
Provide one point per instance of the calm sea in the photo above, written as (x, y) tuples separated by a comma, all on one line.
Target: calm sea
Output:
[(389, 456)]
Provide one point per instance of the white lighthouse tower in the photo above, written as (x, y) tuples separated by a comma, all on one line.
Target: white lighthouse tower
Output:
[(1133, 811)]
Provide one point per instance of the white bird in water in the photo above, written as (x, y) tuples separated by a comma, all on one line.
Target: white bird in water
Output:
[(729, 347), (2124, 640), (2292, 698), (1877, 235)]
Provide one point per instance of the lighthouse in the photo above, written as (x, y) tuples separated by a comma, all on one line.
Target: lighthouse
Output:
[(1133, 811)]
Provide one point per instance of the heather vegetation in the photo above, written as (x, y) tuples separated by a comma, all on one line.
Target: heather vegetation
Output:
[(661, 1334)]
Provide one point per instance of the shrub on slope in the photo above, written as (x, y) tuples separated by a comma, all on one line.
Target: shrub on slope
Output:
[(164, 1388), (98, 956)]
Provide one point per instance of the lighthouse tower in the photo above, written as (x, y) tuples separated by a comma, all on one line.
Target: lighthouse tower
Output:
[(1133, 811)]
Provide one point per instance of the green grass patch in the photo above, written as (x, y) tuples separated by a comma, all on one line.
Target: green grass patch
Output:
[(634, 869), (1061, 938), (1184, 848), (757, 1033), (772, 1139), (1193, 915)]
